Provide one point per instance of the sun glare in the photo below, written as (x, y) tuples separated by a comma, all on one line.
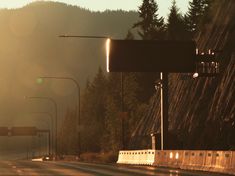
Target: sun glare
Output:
[(107, 53)]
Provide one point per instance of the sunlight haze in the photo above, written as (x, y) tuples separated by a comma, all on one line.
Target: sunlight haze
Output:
[(102, 5)]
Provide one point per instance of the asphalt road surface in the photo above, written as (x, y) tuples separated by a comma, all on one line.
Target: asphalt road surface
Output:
[(29, 168)]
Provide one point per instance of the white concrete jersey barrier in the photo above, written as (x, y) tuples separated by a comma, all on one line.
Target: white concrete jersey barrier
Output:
[(213, 161), (139, 157)]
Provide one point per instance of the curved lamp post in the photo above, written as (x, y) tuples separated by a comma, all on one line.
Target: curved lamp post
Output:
[(55, 105), (78, 114), (78, 109)]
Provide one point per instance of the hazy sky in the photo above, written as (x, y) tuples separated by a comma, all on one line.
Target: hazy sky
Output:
[(100, 5)]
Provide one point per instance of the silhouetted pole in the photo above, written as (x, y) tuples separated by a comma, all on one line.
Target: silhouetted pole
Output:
[(78, 109), (49, 142), (123, 115), (55, 105), (164, 110), (85, 36)]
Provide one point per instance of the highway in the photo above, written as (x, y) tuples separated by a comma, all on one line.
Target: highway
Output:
[(61, 168)]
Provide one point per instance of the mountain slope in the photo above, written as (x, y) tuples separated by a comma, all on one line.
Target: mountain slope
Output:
[(30, 47)]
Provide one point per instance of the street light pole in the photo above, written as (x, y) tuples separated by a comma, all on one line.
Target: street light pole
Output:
[(78, 109), (83, 37), (55, 105), (123, 116), (163, 85), (164, 109)]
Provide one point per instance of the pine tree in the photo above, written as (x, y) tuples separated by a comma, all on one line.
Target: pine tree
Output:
[(112, 136), (194, 16), (151, 26), (176, 29), (129, 35), (67, 135), (113, 117), (93, 112), (113, 131)]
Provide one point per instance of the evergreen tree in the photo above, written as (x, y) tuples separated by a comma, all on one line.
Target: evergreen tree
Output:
[(129, 35), (176, 29), (67, 136), (194, 16), (93, 110), (113, 117), (113, 128), (112, 136), (151, 26)]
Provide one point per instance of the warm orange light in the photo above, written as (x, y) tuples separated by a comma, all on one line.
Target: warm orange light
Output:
[(177, 156), (107, 53), (171, 155), (195, 75)]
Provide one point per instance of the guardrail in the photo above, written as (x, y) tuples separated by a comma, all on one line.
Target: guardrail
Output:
[(213, 161)]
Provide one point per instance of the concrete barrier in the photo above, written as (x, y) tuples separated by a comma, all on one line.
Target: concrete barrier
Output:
[(176, 158), (231, 170), (195, 160), (222, 161), (139, 157), (213, 161), (151, 157), (169, 158)]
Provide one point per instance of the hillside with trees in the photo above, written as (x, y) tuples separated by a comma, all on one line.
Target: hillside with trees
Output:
[(192, 102), (201, 111)]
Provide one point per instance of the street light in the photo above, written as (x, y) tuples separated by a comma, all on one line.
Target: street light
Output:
[(163, 85), (78, 109), (85, 37), (55, 105)]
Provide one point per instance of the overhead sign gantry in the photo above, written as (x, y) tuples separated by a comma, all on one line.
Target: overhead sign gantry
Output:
[(160, 56)]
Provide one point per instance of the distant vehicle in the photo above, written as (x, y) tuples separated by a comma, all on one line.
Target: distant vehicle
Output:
[(47, 158)]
